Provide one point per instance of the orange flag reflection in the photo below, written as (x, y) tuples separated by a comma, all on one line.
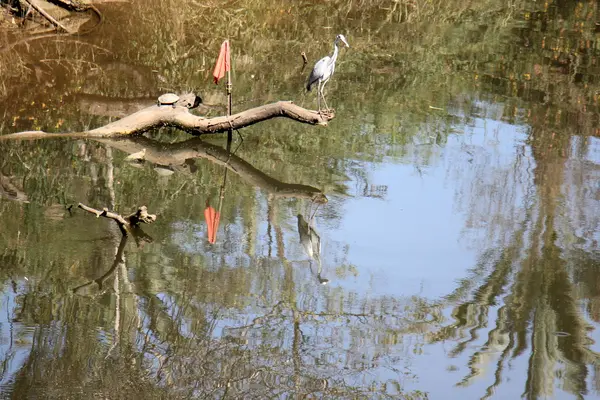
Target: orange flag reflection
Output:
[(223, 62), (212, 221)]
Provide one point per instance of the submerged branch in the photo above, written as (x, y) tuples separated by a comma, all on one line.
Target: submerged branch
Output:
[(126, 225), (179, 117)]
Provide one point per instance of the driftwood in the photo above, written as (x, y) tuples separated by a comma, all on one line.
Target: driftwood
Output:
[(177, 155), (180, 117), (49, 18), (126, 224), (66, 4), (11, 191), (72, 6)]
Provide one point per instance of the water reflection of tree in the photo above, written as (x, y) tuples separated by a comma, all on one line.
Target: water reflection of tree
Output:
[(180, 344), (189, 324), (529, 278)]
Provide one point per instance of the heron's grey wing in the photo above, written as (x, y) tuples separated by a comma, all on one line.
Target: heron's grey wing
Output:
[(318, 71)]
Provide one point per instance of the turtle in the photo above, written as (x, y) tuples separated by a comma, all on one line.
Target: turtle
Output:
[(168, 99)]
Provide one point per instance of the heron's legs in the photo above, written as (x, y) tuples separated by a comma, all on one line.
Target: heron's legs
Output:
[(323, 94), (319, 96)]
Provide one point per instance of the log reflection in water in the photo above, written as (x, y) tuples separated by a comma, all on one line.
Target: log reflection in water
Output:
[(178, 155)]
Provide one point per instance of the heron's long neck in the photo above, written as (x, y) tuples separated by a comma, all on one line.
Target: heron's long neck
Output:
[(335, 52)]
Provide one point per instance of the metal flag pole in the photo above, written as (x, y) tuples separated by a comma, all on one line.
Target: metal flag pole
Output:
[(229, 132), (229, 87)]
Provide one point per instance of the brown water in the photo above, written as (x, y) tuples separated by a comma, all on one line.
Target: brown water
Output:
[(459, 246)]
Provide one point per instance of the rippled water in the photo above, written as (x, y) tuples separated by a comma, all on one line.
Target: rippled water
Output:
[(459, 243)]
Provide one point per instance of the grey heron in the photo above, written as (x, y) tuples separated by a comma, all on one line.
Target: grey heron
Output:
[(312, 245), (323, 70)]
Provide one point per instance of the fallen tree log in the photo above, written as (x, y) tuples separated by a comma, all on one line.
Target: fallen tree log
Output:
[(180, 117)]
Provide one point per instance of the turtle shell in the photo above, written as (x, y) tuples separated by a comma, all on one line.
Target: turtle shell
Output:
[(168, 98)]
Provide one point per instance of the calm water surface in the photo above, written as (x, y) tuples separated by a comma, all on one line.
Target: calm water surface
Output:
[(459, 244)]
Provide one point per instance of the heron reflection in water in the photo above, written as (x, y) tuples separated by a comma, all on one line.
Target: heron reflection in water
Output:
[(323, 70), (312, 245)]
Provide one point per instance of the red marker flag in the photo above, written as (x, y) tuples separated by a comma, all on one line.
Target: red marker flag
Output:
[(223, 62), (212, 221)]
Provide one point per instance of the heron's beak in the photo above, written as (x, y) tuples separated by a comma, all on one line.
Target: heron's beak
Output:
[(346, 43)]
